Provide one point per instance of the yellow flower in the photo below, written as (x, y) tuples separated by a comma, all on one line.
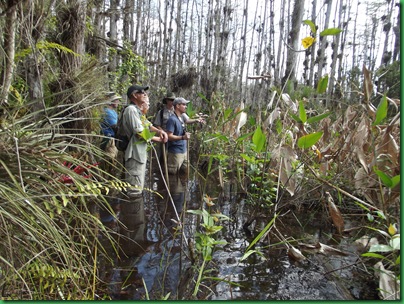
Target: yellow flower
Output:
[(307, 42)]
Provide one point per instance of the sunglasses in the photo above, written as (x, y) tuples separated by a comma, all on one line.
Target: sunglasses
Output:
[(141, 92)]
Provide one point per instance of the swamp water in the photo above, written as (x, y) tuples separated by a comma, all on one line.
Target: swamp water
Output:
[(159, 265)]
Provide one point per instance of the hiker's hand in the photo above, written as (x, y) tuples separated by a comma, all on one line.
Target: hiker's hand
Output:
[(163, 136), (187, 136)]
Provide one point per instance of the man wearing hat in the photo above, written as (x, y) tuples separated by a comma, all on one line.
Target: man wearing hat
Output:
[(134, 123), (110, 118), (177, 161)]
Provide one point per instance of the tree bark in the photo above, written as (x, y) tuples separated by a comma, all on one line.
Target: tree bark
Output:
[(293, 42)]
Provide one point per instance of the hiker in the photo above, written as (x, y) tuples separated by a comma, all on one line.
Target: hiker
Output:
[(164, 114), (110, 119), (177, 161), (108, 124), (134, 122)]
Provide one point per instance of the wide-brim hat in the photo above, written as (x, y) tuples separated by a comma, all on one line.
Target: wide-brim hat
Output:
[(180, 100), (135, 88), (169, 96), (113, 97)]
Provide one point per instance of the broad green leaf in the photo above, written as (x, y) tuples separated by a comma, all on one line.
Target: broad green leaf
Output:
[(398, 260), (295, 117), (322, 85), (381, 112), (302, 112), (311, 24), (380, 248), (318, 117), (227, 113), (309, 140), (395, 181), (384, 178), (259, 139), (330, 31)]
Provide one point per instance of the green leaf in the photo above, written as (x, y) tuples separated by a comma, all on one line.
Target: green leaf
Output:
[(295, 117), (263, 232), (373, 255), (309, 140), (395, 180), (312, 25), (384, 178), (318, 117), (259, 140), (322, 85), (330, 31), (250, 252), (381, 112), (302, 112)]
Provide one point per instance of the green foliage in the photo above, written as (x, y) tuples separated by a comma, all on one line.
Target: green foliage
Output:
[(132, 69), (381, 112), (205, 240)]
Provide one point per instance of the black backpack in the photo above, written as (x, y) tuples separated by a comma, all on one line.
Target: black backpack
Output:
[(121, 140)]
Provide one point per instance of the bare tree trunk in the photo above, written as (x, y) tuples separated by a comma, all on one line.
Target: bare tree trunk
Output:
[(293, 42), (128, 29), (113, 31), (334, 56), (242, 61), (177, 55), (278, 65), (71, 28), (386, 29), (396, 31), (323, 45), (34, 16), (9, 51), (312, 49)]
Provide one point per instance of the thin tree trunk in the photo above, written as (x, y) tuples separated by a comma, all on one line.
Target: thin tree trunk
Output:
[(313, 48), (293, 42), (323, 45), (9, 51), (128, 29)]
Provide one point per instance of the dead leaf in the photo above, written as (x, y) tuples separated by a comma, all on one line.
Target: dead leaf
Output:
[(321, 248), (389, 286), (367, 84), (295, 254), (336, 215)]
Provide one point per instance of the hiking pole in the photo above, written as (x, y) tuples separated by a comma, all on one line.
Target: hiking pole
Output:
[(165, 163), (188, 160)]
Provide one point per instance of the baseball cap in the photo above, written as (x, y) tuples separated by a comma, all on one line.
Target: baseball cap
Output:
[(136, 88), (180, 100)]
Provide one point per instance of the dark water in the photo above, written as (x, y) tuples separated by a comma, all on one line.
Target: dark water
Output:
[(158, 265)]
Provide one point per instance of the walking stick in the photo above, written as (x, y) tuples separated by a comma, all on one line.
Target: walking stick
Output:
[(188, 161), (165, 162)]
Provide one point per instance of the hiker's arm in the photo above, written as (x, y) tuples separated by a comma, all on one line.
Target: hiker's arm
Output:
[(160, 133)]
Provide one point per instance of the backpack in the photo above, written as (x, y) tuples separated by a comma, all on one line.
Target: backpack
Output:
[(121, 140)]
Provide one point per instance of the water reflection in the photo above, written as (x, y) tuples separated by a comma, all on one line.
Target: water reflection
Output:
[(154, 258)]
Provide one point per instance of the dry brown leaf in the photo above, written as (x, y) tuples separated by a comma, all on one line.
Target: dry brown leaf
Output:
[(389, 286), (285, 175), (295, 254), (336, 215), (367, 84)]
